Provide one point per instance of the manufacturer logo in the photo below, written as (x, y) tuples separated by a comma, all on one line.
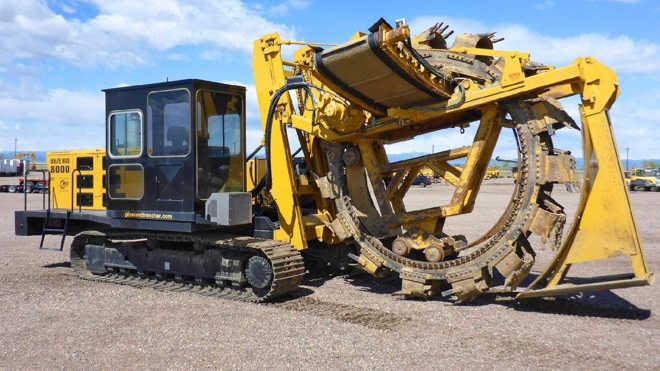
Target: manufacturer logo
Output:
[(158, 216)]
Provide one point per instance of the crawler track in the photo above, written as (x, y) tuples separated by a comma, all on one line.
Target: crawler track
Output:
[(287, 263)]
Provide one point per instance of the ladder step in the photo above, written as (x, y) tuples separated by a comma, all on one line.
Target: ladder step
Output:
[(50, 231), (54, 230), (50, 249)]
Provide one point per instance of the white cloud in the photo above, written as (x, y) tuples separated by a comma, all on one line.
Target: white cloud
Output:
[(637, 112), (66, 119), (635, 120), (122, 34), (53, 119), (634, 123), (254, 132), (436, 141), (544, 5), (286, 6), (125, 31), (56, 107), (635, 115), (622, 53)]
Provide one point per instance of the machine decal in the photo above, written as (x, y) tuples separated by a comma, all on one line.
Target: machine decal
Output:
[(138, 215)]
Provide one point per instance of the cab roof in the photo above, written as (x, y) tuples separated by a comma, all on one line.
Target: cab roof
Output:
[(174, 83)]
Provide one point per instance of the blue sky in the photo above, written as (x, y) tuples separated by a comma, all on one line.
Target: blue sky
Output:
[(56, 55)]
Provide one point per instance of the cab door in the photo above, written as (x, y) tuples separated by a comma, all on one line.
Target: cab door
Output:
[(169, 164), (220, 142)]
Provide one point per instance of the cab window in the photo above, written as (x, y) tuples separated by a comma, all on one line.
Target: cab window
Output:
[(219, 143), (168, 123), (125, 134), (126, 181)]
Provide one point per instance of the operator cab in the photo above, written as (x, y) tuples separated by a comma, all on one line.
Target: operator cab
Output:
[(170, 146)]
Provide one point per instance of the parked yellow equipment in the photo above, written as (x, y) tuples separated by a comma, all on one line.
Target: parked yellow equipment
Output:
[(643, 179), (77, 179), (31, 155), (492, 173), (427, 172)]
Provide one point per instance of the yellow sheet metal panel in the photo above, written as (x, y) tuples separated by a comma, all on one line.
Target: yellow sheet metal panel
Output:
[(607, 227), (87, 183), (255, 170)]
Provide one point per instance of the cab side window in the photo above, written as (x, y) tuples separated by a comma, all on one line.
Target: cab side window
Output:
[(168, 120), (125, 134)]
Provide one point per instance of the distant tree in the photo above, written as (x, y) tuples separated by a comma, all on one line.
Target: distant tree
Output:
[(649, 164)]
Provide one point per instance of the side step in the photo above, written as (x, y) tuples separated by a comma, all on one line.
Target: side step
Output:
[(602, 284), (54, 231)]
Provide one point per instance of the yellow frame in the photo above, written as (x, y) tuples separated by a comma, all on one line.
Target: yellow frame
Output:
[(604, 226)]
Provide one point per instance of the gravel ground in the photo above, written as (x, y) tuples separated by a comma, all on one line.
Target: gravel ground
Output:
[(51, 319)]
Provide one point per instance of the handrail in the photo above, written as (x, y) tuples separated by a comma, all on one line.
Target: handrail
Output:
[(43, 177), (256, 150)]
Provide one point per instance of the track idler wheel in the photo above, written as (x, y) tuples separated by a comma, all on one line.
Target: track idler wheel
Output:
[(259, 272)]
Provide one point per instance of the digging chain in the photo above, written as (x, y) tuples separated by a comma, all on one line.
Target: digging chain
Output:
[(505, 247)]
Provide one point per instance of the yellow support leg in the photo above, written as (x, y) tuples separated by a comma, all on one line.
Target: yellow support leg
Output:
[(476, 164), (604, 225)]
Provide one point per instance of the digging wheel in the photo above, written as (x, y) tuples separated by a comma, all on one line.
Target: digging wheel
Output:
[(504, 248)]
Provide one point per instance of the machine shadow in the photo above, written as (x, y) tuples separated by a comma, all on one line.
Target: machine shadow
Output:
[(298, 293), (360, 280), (603, 304), (364, 282)]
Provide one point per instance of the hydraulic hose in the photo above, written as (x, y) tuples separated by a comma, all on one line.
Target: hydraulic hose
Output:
[(292, 84)]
